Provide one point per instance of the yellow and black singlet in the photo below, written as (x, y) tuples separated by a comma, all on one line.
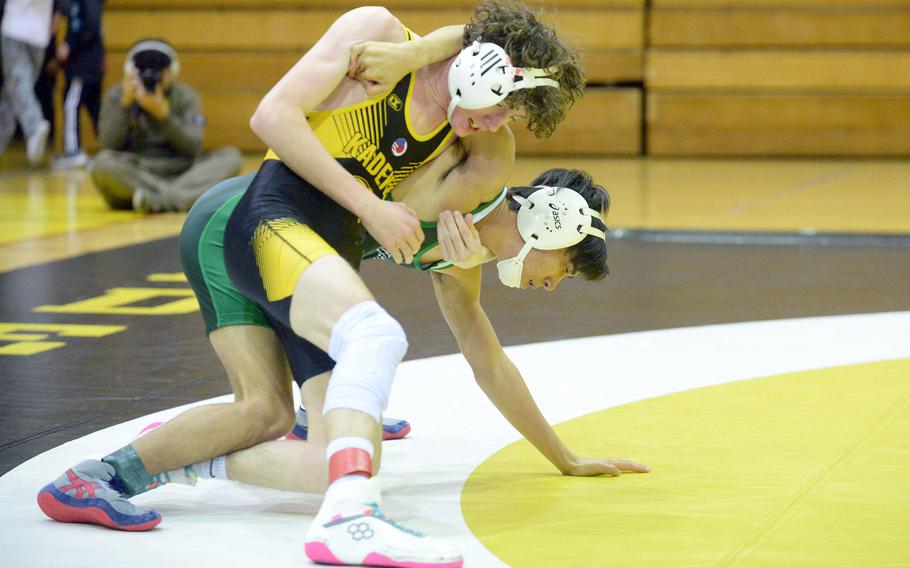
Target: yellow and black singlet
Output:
[(282, 223), (375, 141)]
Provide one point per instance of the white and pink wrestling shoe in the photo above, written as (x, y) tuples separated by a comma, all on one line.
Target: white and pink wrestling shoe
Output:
[(351, 530)]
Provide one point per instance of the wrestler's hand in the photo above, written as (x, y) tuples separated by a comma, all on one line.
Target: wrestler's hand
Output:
[(459, 240), (395, 226), (380, 65), (587, 467)]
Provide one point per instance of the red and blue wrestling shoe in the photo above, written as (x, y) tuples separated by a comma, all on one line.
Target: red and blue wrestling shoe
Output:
[(84, 494), (392, 428)]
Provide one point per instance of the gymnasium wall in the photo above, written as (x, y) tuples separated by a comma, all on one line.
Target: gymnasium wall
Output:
[(666, 77)]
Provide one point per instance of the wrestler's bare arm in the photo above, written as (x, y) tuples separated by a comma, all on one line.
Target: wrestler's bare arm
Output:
[(380, 65), (280, 121), (458, 295)]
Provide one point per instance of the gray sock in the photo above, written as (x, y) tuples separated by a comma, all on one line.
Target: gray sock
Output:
[(131, 476)]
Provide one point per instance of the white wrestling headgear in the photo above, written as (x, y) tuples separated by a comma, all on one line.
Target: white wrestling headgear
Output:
[(156, 45), (550, 218), (482, 75)]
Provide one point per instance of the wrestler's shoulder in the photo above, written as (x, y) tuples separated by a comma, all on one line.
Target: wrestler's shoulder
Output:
[(500, 143)]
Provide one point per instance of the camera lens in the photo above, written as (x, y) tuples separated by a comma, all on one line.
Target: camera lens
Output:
[(150, 78)]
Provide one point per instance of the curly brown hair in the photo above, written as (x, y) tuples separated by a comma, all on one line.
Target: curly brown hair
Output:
[(531, 43)]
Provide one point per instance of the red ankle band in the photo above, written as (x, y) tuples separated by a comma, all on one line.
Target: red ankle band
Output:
[(350, 461)]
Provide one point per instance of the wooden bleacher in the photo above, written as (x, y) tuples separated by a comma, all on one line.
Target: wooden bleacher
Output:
[(778, 78), (672, 77), (233, 51)]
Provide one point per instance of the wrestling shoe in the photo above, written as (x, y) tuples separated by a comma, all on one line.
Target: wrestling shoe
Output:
[(354, 532), (392, 428), (84, 495), (395, 428), (147, 429)]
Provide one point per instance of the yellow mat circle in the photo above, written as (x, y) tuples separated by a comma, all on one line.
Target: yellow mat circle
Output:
[(804, 469)]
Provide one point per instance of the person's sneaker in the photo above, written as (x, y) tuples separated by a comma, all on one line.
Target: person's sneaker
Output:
[(392, 428), (69, 161), (354, 532), (84, 494), (149, 201), (141, 200), (37, 143)]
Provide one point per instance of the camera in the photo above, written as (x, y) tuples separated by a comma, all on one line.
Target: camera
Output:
[(149, 58), (150, 78)]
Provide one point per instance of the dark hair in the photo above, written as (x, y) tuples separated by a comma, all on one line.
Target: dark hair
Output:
[(589, 257), (531, 43)]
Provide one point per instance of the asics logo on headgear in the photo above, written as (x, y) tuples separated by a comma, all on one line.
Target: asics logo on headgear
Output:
[(557, 224)]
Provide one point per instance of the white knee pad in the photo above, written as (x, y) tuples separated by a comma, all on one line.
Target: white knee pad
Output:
[(367, 344)]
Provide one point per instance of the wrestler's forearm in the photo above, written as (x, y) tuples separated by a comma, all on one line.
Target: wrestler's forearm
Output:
[(504, 386), (437, 45), (284, 128), (458, 294)]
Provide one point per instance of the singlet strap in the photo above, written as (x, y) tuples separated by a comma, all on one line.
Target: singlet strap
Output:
[(481, 212)]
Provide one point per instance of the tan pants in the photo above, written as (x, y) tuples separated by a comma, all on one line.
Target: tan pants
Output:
[(170, 184)]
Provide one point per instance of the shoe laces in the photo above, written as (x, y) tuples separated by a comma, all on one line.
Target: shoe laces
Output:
[(83, 487), (374, 511)]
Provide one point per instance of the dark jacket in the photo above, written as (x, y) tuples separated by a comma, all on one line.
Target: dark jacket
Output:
[(86, 40)]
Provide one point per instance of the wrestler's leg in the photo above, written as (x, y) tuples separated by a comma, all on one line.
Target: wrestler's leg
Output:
[(332, 308), (292, 465), (261, 411)]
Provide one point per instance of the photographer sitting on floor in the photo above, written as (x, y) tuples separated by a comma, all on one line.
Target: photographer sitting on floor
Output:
[(151, 137)]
